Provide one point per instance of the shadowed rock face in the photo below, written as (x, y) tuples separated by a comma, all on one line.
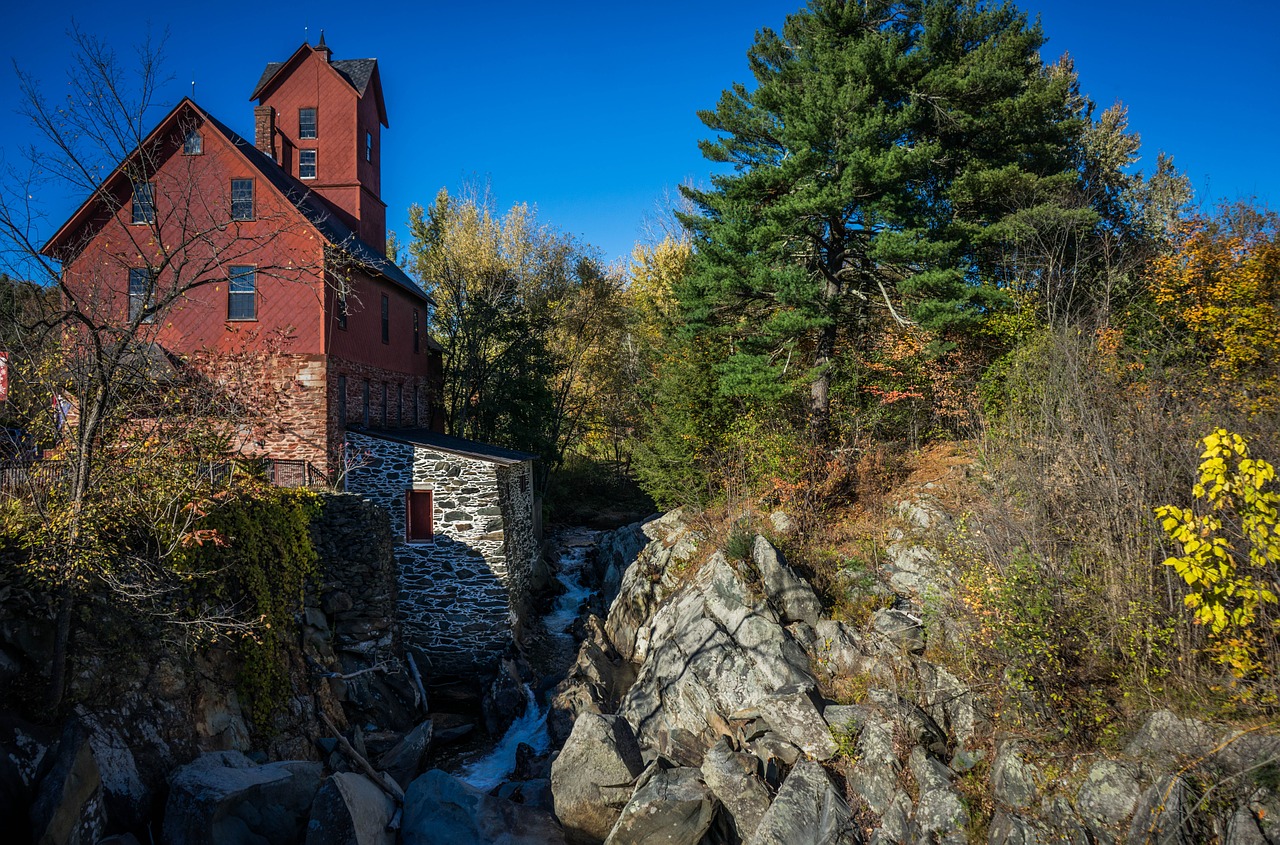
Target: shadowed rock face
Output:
[(224, 798)]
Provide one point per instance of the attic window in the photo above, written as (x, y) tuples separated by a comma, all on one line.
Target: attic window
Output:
[(368, 146), (192, 144), (144, 203), (307, 124), (306, 164), (241, 199)]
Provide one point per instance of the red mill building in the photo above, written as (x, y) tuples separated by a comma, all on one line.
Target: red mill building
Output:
[(270, 258), (285, 242)]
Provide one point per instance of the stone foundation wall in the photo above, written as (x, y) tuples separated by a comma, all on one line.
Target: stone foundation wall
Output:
[(359, 588), (462, 593)]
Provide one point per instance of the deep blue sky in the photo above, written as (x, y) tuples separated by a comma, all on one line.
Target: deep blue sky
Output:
[(587, 110)]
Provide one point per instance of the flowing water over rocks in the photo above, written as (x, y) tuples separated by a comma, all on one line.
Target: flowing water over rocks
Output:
[(552, 653)]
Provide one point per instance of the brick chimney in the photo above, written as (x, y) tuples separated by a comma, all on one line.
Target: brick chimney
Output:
[(264, 130)]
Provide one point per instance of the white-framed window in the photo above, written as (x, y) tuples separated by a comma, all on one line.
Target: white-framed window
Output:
[(241, 199), (192, 143), (242, 297), (307, 128), (144, 203), (306, 164), (141, 294)]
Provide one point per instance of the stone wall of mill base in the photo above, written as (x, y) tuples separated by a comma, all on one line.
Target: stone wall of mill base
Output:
[(463, 593)]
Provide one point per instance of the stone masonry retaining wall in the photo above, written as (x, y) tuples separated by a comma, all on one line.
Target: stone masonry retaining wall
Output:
[(464, 592)]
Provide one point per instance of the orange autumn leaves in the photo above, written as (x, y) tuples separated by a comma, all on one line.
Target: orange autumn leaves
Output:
[(1223, 283)]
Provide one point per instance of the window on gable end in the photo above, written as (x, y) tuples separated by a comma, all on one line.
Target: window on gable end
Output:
[(242, 294), (192, 143), (418, 516), (241, 199), (144, 203), (368, 146), (306, 164), (307, 123), (142, 294)]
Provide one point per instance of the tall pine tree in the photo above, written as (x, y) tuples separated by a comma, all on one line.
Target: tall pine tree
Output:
[(880, 139)]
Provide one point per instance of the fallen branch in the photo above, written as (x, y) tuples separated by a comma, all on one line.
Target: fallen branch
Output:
[(388, 785), (418, 688)]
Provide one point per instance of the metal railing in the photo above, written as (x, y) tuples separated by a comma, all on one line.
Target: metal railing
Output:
[(294, 473), (20, 478)]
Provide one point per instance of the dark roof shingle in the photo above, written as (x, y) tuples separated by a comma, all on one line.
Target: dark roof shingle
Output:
[(357, 72), (448, 443)]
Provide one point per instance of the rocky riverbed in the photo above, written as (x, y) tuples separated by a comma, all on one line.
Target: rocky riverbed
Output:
[(701, 706)]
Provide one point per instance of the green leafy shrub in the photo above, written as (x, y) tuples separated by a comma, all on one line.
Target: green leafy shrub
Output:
[(254, 559)]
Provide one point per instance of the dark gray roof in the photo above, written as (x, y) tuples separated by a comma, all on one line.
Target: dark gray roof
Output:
[(357, 72), (320, 214), (447, 443), (272, 67)]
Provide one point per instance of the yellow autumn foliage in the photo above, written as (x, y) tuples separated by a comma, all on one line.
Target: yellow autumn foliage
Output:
[(1230, 557), (1223, 282)]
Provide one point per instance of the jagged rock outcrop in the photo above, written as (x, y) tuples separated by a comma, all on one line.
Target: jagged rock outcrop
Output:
[(721, 669)]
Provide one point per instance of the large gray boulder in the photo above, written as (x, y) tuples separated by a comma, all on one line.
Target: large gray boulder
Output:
[(734, 779), (714, 651), (793, 715), (224, 798), (592, 778), (1166, 815), (807, 811), (788, 593), (672, 806), (439, 809), (1164, 737), (1109, 794), (940, 813), (404, 761), (350, 809), (876, 768), (68, 806), (1013, 780)]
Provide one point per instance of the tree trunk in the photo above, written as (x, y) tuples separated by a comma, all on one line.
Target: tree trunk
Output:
[(61, 648), (820, 387)]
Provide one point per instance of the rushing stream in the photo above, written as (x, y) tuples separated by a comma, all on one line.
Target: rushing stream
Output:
[(488, 769)]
